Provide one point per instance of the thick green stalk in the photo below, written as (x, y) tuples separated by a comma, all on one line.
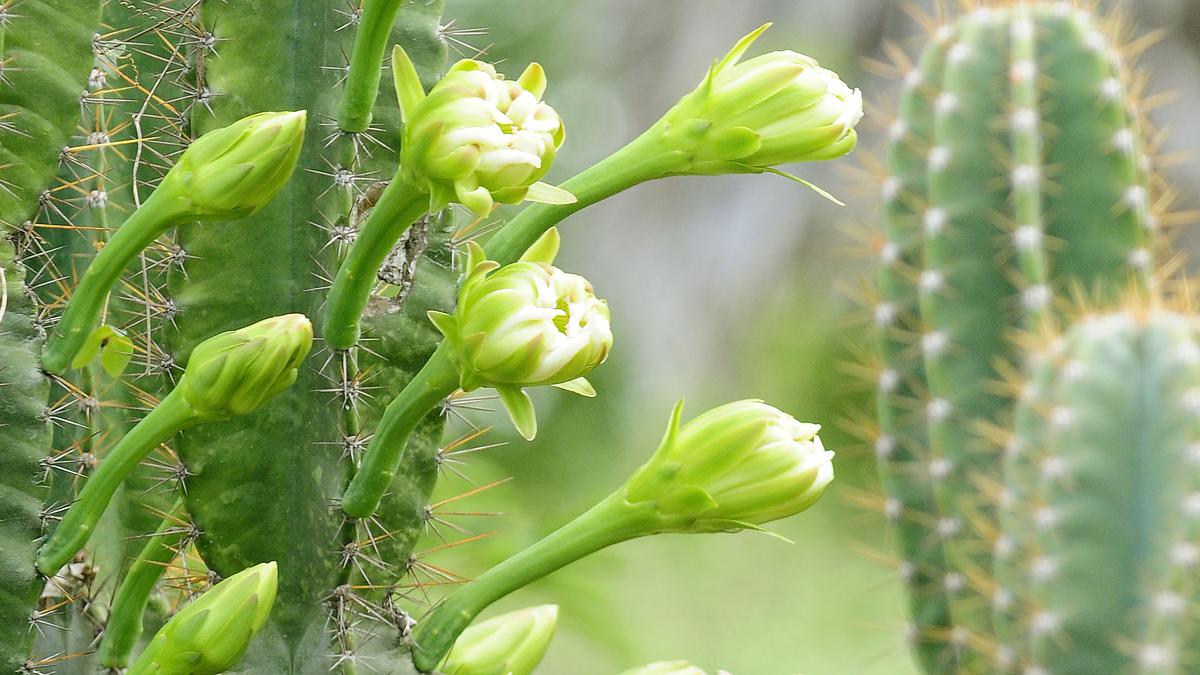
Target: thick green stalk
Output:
[(124, 626), (610, 522), (437, 380), (140, 230), (362, 82), (640, 161), (167, 419), (400, 205)]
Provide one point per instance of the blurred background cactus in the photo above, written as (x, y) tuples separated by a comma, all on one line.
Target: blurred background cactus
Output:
[(773, 243)]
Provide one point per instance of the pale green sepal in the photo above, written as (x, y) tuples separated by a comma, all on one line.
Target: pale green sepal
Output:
[(737, 142), (815, 188), (113, 346), (545, 249), (520, 411), (690, 501), (579, 386), (409, 91), (545, 193), (740, 48), (533, 80), (443, 322)]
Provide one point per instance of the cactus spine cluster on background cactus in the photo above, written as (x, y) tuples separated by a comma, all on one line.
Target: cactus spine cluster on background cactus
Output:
[(1018, 178), (172, 243)]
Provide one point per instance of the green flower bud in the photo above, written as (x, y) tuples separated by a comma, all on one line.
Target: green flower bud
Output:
[(478, 139), (235, 372), (211, 634), (509, 644), (666, 668), (524, 325), (737, 466), (773, 109), (234, 171)]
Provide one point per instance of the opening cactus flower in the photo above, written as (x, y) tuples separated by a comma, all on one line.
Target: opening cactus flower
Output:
[(478, 139), (210, 635), (737, 466), (509, 644), (234, 171), (772, 109), (235, 372), (525, 325)]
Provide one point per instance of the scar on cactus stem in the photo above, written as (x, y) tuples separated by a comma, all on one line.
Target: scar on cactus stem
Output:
[(732, 468), (526, 324), (227, 173), (476, 140), (229, 374)]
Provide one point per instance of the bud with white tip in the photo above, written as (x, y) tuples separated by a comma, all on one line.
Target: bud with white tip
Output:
[(737, 466)]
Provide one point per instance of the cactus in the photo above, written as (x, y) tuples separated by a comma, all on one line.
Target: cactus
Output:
[(170, 430), (1017, 174), (1114, 392)]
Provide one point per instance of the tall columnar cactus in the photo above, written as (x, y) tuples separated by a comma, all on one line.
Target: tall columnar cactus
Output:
[(1017, 173), (1101, 523), (173, 242)]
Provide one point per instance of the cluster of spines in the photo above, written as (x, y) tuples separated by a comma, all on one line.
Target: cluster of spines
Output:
[(987, 228)]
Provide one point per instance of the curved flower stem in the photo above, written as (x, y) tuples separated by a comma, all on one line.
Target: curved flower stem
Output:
[(400, 205), (428, 388), (362, 82), (124, 625), (611, 521), (168, 417), (161, 211), (640, 161)]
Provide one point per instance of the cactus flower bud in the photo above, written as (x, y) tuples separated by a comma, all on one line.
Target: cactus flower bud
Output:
[(235, 372), (772, 109), (666, 668), (478, 139), (737, 466), (509, 644), (524, 325), (211, 634), (235, 170)]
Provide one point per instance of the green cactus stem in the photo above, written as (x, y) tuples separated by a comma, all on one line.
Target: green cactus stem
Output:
[(1109, 482), (985, 226), (375, 20)]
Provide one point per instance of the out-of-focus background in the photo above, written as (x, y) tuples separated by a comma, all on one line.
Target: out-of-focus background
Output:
[(721, 288)]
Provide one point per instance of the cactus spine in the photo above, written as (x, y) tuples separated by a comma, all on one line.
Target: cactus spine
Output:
[(1016, 171)]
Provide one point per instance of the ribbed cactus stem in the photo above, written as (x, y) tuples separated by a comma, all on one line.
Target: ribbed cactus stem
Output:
[(1015, 174), (1107, 529)]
